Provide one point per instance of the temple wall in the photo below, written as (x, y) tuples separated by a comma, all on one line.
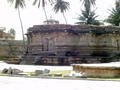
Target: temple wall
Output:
[(84, 43), (87, 39)]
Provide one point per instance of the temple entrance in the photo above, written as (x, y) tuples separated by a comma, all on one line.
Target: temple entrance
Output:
[(48, 45)]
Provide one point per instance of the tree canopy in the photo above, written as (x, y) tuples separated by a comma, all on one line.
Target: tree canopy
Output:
[(18, 3), (12, 32), (114, 17), (62, 6), (88, 16)]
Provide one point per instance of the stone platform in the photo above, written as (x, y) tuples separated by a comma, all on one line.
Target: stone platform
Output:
[(98, 70)]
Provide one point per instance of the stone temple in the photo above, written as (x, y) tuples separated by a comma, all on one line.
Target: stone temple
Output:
[(59, 44)]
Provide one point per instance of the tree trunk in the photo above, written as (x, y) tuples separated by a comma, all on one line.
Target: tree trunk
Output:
[(64, 18), (21, 27), (45, 13)]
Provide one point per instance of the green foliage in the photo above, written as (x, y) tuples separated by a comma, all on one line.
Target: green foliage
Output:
[(43, 2), (88, 18), (114, 17), (18, 3), (61, 72), (12, 32), (25, 38), (61, 6), (90, 2), (64, 72), (97, 22), (1, 57), (88, 15)]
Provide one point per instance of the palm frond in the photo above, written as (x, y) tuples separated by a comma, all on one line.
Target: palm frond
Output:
[(91, 2), (35, 1), (42, 2), (10, 1), (114, 17), (61, 6), (18, 3)]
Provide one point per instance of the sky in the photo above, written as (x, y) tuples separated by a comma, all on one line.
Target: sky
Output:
[(31, 15)]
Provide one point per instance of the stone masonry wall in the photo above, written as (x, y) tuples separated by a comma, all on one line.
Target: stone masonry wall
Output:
[(11, 48), (88, 39), (97, 71), (104, 41)]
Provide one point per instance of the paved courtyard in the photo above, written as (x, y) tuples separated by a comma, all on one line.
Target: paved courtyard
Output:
[(21, 83)]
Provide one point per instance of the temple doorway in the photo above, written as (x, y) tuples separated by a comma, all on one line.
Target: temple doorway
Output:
[(48, 45)]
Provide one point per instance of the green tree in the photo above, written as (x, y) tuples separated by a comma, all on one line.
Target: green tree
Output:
[(91, 2), (43, 2), (97, 22), (12, 32), (61, 6), (88, 3), (114, 17), (19, 4), (88, 15)]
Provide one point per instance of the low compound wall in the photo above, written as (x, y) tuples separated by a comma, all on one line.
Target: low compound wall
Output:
[(97, 70), (11, 47), (10, 50)]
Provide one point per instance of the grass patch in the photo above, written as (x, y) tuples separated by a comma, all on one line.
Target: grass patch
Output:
[(22, 74), (1, 57), (62, 72), (3, 73)]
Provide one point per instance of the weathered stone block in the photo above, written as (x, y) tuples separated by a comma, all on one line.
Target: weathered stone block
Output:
[(16, 71), (46, 71), (38, 72), (5, 70)]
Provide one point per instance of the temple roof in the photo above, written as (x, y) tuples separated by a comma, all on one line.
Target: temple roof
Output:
[(74, 28), (51, 22)]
